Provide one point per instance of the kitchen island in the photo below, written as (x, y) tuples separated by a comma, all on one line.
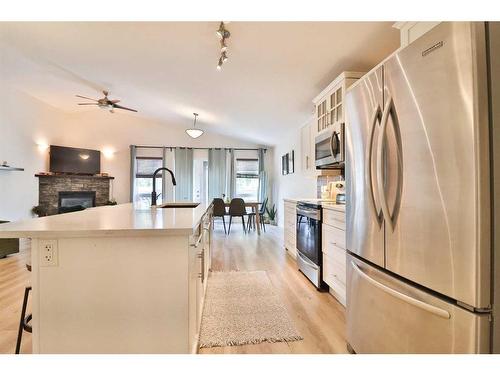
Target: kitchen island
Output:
[(117, 279)]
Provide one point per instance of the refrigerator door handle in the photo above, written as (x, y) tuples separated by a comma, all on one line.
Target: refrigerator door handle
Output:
[(377, 114), (380, 172), (410, 300)]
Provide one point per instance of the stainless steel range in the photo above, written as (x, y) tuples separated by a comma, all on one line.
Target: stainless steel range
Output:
[(309, 252), (309, 241)]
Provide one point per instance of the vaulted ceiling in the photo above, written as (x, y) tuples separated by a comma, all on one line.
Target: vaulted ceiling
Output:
[(167, 70)]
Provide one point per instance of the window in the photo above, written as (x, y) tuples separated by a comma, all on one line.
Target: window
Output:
[(145, 167), (247, 179)]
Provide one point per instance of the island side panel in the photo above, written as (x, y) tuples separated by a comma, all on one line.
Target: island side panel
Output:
[(35, 304), (114, 295)]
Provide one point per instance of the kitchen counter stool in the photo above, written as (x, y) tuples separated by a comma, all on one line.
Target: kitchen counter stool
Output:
[(24, 321)]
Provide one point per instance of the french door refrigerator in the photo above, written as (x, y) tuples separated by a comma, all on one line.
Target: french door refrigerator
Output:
[(419, 201)]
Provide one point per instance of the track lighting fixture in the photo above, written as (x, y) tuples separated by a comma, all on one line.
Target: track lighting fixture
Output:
[(223, 34)]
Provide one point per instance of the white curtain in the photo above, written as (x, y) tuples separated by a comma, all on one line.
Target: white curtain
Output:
[(232, 174), (262, 176), (184, 174), (216, 173)]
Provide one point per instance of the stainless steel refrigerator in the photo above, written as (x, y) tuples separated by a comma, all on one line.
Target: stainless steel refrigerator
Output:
[(420, 137)]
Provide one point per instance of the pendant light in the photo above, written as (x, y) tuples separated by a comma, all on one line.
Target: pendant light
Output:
[(194, 132)]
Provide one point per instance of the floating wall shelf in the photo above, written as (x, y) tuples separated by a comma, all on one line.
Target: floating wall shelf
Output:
[(4, 168)]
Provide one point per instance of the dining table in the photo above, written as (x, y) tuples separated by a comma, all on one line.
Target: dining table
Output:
[(254, 205)]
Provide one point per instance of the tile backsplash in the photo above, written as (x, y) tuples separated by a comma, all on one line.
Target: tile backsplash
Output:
[(324, 180)]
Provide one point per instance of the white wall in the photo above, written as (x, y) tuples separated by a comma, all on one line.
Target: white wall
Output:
[(295, 185), (25, 121)]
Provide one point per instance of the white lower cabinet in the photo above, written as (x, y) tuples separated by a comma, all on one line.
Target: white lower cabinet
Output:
[(199, 267), (334, 254), (290, 233)]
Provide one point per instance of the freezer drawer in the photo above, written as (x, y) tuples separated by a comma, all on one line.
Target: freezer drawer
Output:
[(386, 315)]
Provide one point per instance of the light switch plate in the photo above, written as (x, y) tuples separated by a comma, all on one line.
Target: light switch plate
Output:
[(48, 253)]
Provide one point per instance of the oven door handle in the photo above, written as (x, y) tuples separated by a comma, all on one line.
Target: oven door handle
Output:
[(312, 214), (307, 261), (305, 211)]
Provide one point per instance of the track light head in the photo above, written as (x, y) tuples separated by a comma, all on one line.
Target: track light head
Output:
[(223, 45), (219, 65), (222, 33)]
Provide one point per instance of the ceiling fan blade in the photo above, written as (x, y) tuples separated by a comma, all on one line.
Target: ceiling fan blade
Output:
[(125, 108), (115, 101), (84, 97), (88, 104)]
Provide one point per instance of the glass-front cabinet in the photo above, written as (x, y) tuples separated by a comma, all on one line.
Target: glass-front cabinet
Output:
[(321, 110), (329, 103)]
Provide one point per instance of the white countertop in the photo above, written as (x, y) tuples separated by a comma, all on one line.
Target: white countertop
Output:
[(119, 221)]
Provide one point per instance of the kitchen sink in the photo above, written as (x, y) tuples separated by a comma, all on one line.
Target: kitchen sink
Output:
[(178, 205)]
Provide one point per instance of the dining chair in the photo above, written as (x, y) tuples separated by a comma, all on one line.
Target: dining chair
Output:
[(261, 213), (219, 210), (237, 208)]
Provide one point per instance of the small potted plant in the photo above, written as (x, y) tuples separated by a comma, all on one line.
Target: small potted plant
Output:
[(38, 211), (271, 214)]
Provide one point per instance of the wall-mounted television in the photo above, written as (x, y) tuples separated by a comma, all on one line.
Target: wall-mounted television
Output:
[(74, 160)]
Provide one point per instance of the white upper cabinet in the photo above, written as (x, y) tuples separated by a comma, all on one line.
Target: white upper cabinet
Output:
[(330, 102), (307, 134), (411, 31), (329, 109)]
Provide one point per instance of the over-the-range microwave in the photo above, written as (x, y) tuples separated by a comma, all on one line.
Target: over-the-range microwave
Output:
[(329, 147)]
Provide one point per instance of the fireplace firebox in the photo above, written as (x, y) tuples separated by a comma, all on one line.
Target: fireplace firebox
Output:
[(75, 199)]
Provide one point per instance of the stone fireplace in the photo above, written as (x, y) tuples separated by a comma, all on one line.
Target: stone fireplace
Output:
[(56, 191)]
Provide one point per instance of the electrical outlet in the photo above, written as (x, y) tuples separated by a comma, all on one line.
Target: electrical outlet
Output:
[(48, 253)]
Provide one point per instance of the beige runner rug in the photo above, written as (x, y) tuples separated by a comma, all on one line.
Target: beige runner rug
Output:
[(243, 308)]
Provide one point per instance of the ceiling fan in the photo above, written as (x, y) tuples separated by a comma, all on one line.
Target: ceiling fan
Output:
[(106, 103)]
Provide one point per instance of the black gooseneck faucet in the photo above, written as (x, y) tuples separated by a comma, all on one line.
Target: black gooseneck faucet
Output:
[(153, 193)]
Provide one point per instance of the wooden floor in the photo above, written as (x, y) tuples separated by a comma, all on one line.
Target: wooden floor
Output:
[(14, 277), (318, 316)]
